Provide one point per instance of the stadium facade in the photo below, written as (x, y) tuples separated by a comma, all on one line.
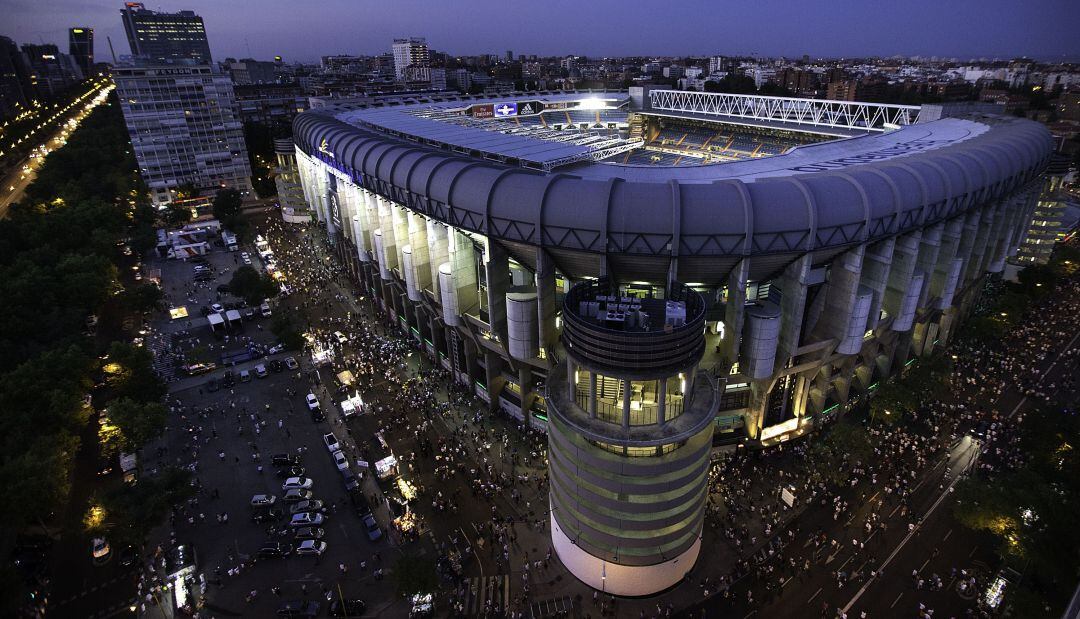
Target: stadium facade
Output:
[(648, 275)]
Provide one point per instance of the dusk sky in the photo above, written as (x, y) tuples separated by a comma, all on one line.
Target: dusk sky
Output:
[(306, 29)]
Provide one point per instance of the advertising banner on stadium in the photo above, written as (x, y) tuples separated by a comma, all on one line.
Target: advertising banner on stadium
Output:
[(505, 110), (482, 111), (529, 108), (558, 105)]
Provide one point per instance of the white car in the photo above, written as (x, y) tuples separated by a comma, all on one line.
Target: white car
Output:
[(217, 308), (261, 500), (290, 362), (312, 401), (331, 442), (311, 547), (306, 519), (296, 482), (340, 337), (340, 460)]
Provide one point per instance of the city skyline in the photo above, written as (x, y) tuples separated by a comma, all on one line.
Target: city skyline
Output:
[(998, 29)]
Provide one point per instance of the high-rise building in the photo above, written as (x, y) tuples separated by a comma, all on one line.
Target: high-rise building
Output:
[(1047, 223), (410, 52), (184, 128), (165, 37), (81, 47), (15, 89), (248, 71), (51, 73)]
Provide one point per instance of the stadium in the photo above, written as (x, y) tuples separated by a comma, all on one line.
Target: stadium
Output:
[(652, 275)]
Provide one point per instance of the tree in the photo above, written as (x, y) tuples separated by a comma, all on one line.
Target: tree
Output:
[(130, 373), (176, 216), (285, 327), (137, 422), (414, 575), (141, 297), (226, 207), (252, 286), (132, 511)]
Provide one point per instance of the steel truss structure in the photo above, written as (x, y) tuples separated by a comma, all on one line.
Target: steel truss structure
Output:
[(872, 117)]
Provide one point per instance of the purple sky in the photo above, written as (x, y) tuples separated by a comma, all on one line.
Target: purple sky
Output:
[(306, 29)]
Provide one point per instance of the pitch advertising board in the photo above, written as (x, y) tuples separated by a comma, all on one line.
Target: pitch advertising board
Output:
[(529, 108), (505, 110), (482, 111)]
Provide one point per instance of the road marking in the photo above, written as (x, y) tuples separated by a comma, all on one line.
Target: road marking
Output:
[(972, 551), (845, 562), (923, 566), (752, 613), (896, 600), (947, 535), (784, 584), (814, 596)]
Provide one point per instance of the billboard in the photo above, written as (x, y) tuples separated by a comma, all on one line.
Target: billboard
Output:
[(505, 110), (482, 111), (529, 108), (559, 105)]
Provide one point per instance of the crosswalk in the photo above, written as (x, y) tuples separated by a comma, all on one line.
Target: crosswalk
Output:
[(487, 595), (555, 607), (163, 363)]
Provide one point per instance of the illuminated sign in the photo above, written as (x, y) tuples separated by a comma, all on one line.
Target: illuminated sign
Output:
[(324, 148), (482, 111), (505, 110), (77, 30), (778, 429), (529, 108), (561, 105)]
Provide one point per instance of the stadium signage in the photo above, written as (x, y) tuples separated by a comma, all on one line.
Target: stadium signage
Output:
[(505, 110), (483, 111), (324, 148), (529, 108), (561, 105), (896, 150)]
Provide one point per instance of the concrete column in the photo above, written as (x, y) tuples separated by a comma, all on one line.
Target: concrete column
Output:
[(592, 395), (985, 225), (836, 320), (546, 304), (388, 259), (734, 310), (965, 250), (943, 266), (400, 219), (905, 257), (792, 307), (497, 265), (438, 252), (528, 396), (626, 404), (523, 335), (418, 241), (661, 397), (757, 357), (875, 276), (495, 380)]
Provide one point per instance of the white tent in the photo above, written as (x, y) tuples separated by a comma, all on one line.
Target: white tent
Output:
[(216, 320)]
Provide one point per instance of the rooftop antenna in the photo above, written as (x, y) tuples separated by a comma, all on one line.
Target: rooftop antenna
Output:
[(111, 50)]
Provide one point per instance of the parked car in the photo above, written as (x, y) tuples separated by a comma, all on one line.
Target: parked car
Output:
[(245, 376), (291, 363), (224, 289), (374, 533), (285, 460), (311, 547), (264, 309), (340, 461), (276, 366), (306, 519), (289, 471), (309, 533), (275, 349), (273, 550), (347, 608), (99, 549), (352, 483), (216, 307), (310, 505), (296, 494), (263, 500), (312, 402), (331, 442), (260, 371), (195, 369), (297, 482), (299, 609)]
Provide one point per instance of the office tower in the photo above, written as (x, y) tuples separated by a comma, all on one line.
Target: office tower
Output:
[(165, 37), (16, 92), (410, 52), (184, 127), (81, 48), (51, 73)]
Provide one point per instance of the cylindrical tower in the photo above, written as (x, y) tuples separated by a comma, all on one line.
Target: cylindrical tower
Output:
[(629, 435)]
